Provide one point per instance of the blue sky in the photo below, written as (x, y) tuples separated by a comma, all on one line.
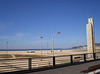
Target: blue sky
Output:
[(22, 22)]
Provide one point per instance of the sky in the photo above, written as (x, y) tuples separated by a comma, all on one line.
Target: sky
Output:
[(22, 22)]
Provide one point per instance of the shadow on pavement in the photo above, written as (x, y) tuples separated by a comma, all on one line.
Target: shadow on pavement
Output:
[(48, 68)]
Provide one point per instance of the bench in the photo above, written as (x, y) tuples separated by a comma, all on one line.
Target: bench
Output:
[(90, 69)]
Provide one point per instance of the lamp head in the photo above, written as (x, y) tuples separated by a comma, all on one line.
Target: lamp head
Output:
[(58, 33), (41, 37)]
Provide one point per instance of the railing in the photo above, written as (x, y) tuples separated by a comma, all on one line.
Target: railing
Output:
[(11, 65)]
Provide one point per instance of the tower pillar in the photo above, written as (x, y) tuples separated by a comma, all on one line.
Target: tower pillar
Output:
[(90, 37)]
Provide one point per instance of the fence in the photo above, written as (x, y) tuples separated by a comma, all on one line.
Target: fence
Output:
[(11, 65)]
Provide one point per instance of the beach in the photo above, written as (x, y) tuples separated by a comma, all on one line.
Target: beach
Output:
[(49, 52), (46, 52)]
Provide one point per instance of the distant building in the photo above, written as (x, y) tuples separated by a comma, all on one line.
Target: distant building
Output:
[(90, 36)]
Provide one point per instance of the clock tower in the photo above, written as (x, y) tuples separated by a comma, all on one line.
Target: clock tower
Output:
[(90, 37)]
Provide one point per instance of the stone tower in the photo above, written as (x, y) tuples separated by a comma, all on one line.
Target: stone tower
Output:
[(90, 36)]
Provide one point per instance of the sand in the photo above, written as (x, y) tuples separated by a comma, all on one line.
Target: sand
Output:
[(46, 52), (49, 52)]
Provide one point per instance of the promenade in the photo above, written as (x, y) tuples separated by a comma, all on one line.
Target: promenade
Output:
[(74, 69)]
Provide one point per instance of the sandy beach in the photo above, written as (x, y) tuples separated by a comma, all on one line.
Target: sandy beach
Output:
[(46, 52), (49, 52)]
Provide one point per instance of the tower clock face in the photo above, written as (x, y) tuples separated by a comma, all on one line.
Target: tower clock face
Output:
[(90, 20)]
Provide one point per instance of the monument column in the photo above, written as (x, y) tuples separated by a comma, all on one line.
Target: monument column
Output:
[(90, 37)]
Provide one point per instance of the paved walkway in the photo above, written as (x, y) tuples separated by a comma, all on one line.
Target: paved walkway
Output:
[(75, 69)]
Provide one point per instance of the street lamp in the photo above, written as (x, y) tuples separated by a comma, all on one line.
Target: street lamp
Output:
[(47, 48), (53, 43), (7, 47), (41, 46)]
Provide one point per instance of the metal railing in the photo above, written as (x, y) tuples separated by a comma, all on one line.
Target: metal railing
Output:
[(11, 65)]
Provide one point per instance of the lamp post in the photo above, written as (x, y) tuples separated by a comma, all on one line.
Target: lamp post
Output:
[(7, 47), (41, 46), (47, 48), (53, 43)]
